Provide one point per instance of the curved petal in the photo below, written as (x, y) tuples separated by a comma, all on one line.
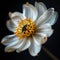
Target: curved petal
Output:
[(53, 19), (9, 48), (49, 32), (9, 39), (43, 37), (34, 49), (19, 44), (37, 39), (16, 17), (44, 40), (40, 7), (45, 17), (15, 45), (45, 30), (25, 45), (44, 26), (30, 11), (10, 25)]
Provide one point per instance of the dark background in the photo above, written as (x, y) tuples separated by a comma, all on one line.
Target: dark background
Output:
[(53, 43)]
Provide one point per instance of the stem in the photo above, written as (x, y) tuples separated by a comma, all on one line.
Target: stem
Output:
[(50, 54)]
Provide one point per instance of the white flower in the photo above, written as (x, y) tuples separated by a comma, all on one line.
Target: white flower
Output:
[(31, 28)]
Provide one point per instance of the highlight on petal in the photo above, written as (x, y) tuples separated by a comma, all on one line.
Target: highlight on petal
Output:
[(9, 48), (34, 49), (53, 18), (44, 26), (49, 32), (40, 7), (8, 39), (45, 29), (37, 39), (43, 37), (45, 17), (17, 45), (16, 17), (30, 12), (10, 25), (24, 46)]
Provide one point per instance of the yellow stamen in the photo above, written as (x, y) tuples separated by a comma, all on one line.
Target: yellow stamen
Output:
[(25, 28)]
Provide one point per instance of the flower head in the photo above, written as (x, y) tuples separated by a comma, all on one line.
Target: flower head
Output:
[(31, 28)]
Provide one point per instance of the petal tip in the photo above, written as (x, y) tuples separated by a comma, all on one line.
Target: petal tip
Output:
[(36, 2), (10, 13), (8, 50), (44, 40), (34, 54), (1, 42), (17, 51), (52, 8), (27, 3)]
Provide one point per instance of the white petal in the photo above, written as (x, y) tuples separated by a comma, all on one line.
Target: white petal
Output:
[(45, 17), (27, 45), (23, 47), (53, 19), (21, 44), (47, 31), (16, 17), (43, 37), (8, 39), (44, 26), (37, 39), (14, 45), (40, 7), (34, 49), (10, 25), (30, 11), (10, 48)]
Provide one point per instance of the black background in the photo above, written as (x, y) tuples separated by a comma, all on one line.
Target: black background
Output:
[(53, 43)]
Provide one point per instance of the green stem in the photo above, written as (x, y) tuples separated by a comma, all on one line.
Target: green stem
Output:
[(49, 54)]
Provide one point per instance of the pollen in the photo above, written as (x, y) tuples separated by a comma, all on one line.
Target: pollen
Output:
[(26, 28)]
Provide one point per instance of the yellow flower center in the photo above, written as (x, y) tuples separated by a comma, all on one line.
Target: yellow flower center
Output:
[(25, 28)]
